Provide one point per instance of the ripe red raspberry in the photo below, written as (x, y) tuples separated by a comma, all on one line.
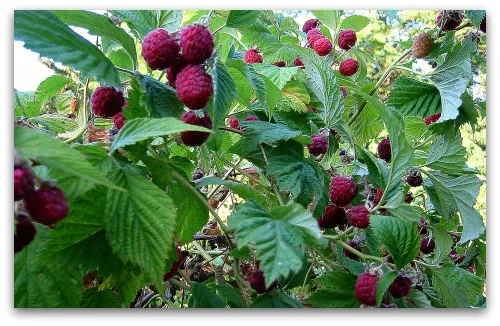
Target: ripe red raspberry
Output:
[(47, 205), (313, 32), (322, 46), (310, 24), (384, 149), (453, 19), (253, 56), (422, 45), (279, 64), (353, 245), (344, 91), (342, 190), (234, 123), (251, 118), (24, 182), (414, 178), (106, 101), (482, 26), (334, 216), (175, 266), (298, 63), (159, 49), (427, 245), (422, 227), (119, 120), (348, 67), (378, 196), (194, 87), (25, 233), (400, 287), (195, 138), (432, 118), (175, 68), (258, 282), (197, 44), (347, 39), (359, 216), (315, 38), (409, 197), (311, 108), (319, 145), (366, 289)]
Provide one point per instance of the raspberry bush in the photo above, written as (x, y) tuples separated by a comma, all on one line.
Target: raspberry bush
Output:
[(236, 158)]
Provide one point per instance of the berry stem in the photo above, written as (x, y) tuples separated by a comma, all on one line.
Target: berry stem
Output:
[(339, 236), (202, 252), (218, 29), (214, 190), (130, 72), (236, 131), (179, 284), (360, 254), (266, 186), (84, 114), (425, 264)]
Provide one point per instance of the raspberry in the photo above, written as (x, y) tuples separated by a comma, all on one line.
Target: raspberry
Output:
[(378, 196), (422, 227), (384, 149), (175, 68), (279, 64), (47, 205), (348, 67), (197, 44), (400, 287), (315, 38), (453, 19), (106, 101), (359, 216), (347, 39), (342, 190), (25, 233), (251, 118), (427, 245), (119, 120), (319, 145), (195, 138), (414, 178), (422, 45), (310, 24), (432, 118), (322, 46), (334, 216), (298, 63), (24, 182), (234, 123), (349, 254), (175, 266), (409, 197), (344, 91), (482, 26), (194, 87), (253, 56), (313, 32), (258, 282), (311, 108), (366, 288), (159, 49)]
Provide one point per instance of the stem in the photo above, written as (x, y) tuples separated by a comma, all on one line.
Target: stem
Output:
[(425, 264), (202, 251), (218, 29), (161, 75), (224, 178), (359, 254), (179, 284), (242, 171), (130, 72), (339, 236), (84, 112), (236, 131)]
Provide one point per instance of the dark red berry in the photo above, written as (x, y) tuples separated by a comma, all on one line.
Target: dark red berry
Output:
[(311, 108), (353, 245), (342, 190), (359, 216), (119, 120), (253, 56), (432, 118), (347, 39), (24, 182), (319, 145), (409, 197), (298, 63), (251, 118), (175, 68), (315, 38), (378, 196), (25, 233), (366, 289), (47, 205), (384, 149), (414, 178), (400, 287), (195, 138), (333, 217), (482, 26), (322, 46), (310, 24), (427, 245), (279, 64), (159, 49), (194, 87), (107, 101), (348, 67), (422, 227), (197, 44), (175, 266), (258, 282), (234, 123), (344, 91), (453, 19)]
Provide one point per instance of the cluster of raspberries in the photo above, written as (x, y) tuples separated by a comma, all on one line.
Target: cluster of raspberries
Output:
[(46, 205), (365, 288), (107, 102), (318, 42)]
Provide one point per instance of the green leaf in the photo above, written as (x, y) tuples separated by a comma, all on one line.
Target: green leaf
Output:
[(476, 16), (230, 295), (93, 298), (280, 76), (452, 78), (241, 189), (140, 22), (366, 126), (25, 104), (31, 144), (169, 19), (330, 18), (443, 243), (406, 212), (203, 297), (383, 284), (377, 170), (51, 87), (355, 22), (456, 286), (458, 194), (55, 123), (160, 100), (275, 299), (337, 291), (43, 32), (272, 48), (241, 18), (399, 237), (294, 97), (277, 235), (141, 129), (140, 223), (447, 153), (415, 299), (99, 25), (414, 98), (41, 284)]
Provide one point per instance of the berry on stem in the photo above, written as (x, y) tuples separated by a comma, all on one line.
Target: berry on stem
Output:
[(353, 245), (347, 39), (427, 245), (333, 217), (378, 196), (47, 205), (159, 49), (234, 123), (422, 45), (253, 56), (258, 282), (414, 177), (400, 287), (409, 197), (119, 120), (175, 266), (344, 91), (197, 44), (310, 24), (453, 19), (24, 182), (432, 118), (342, 190), (175, 68), (366, 288), (319, 145), (251, 118), (196, 138), (25, 233), (106, 101), (194, 87), (359, 216), (482, 26), (384, 149), (279, 64), (323, 46), (348, 67), (298, 63)]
